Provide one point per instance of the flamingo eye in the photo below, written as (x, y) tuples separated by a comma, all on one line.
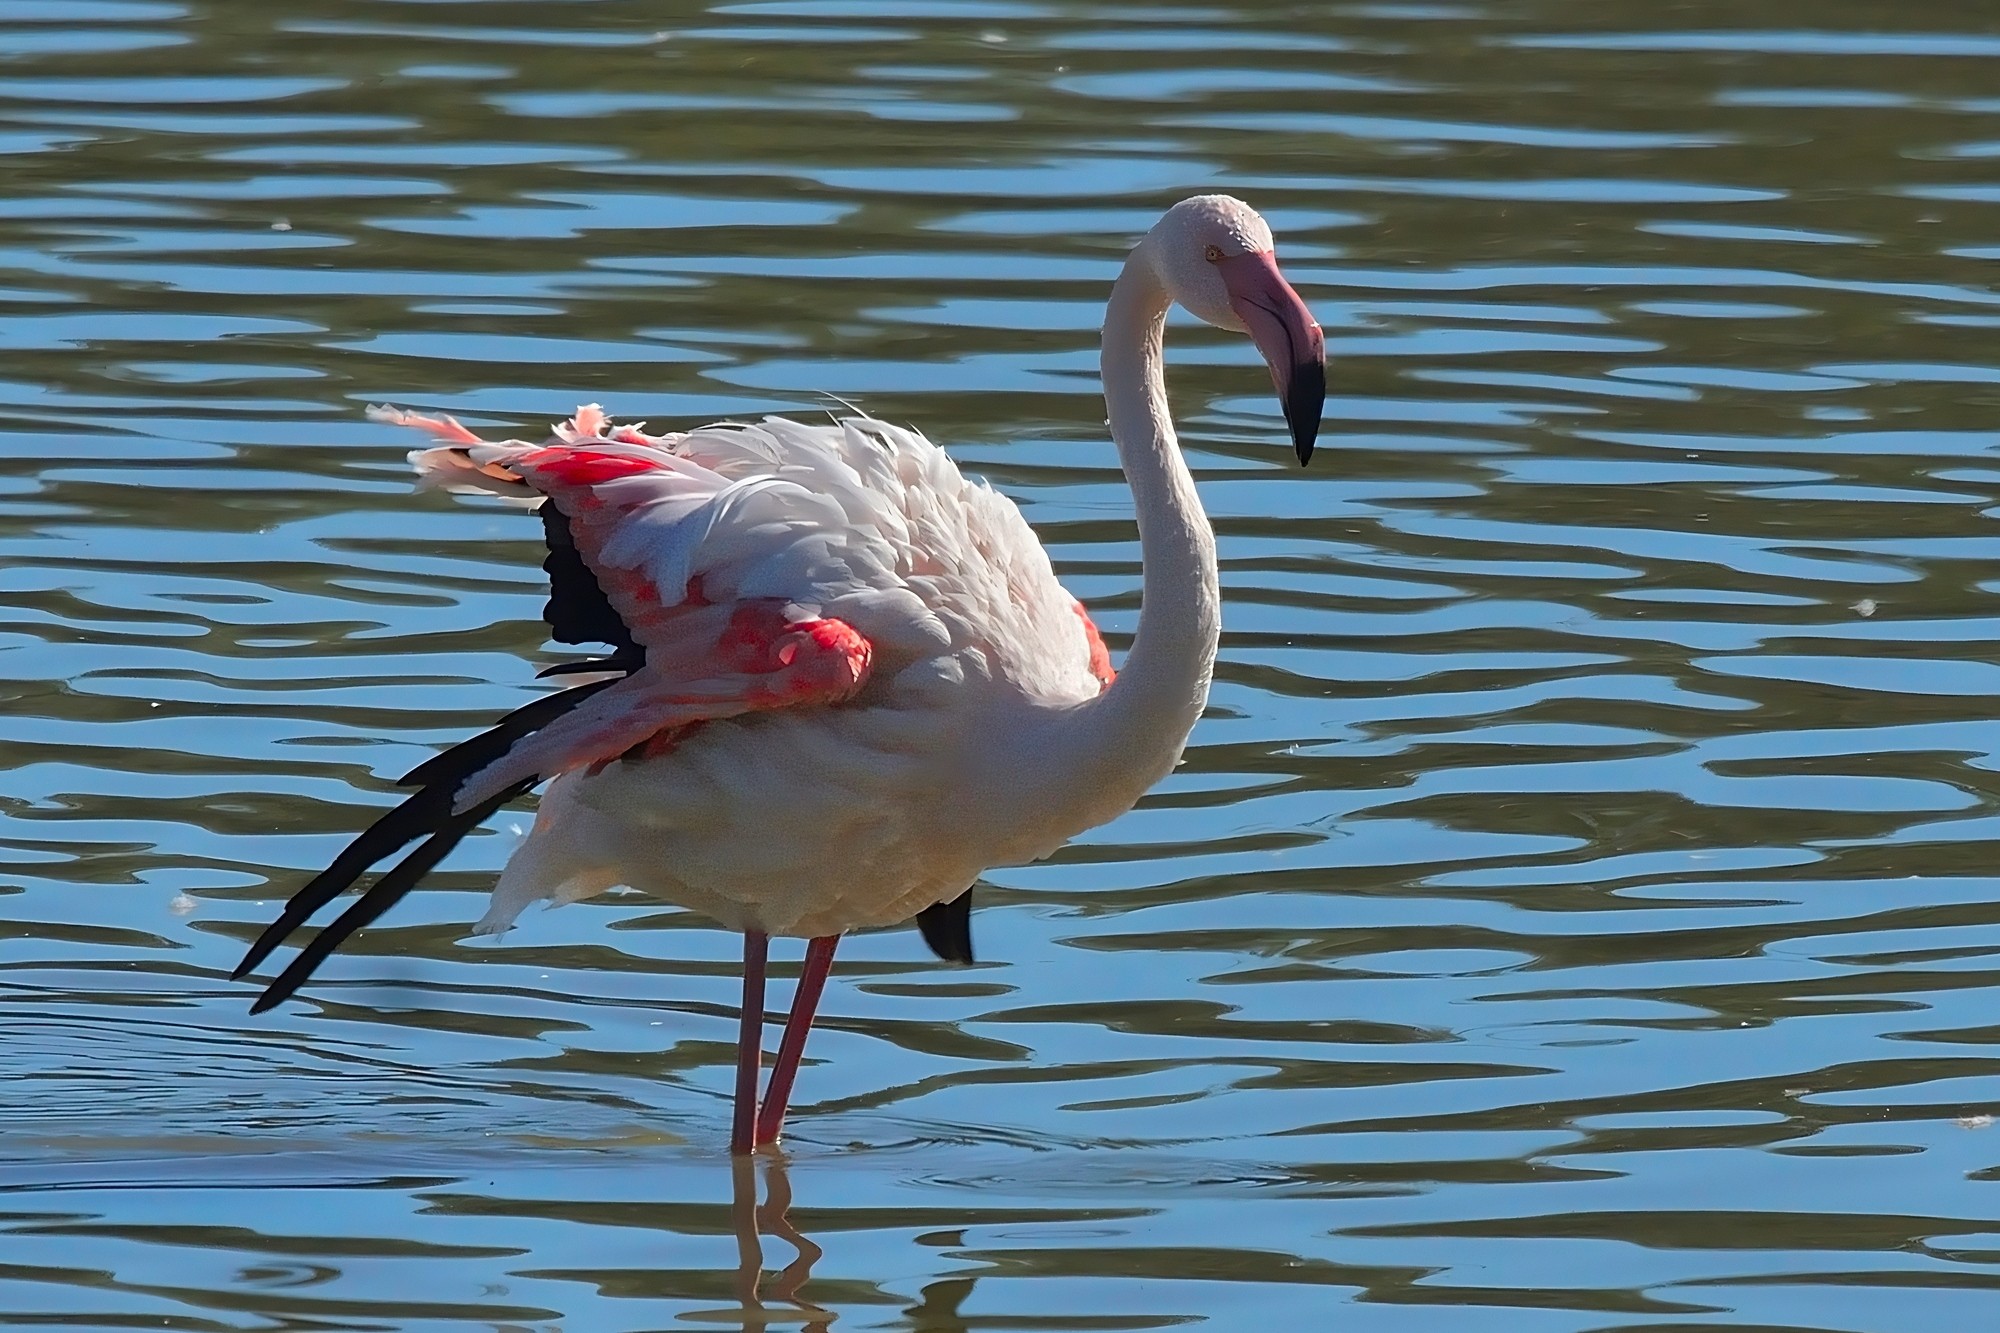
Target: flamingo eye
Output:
[(1214, 254)]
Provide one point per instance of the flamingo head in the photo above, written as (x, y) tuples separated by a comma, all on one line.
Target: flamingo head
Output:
[(1215, 256)]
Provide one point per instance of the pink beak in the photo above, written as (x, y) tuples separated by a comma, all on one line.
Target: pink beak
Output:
[(1288, 336)]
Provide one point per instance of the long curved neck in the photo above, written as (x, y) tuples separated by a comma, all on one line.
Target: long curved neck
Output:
[(1140, 724)]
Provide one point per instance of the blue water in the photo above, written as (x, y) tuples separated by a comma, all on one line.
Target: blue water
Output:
[(1575, 912)]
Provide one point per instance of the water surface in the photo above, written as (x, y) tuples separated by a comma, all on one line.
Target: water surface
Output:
[(1576, 912)]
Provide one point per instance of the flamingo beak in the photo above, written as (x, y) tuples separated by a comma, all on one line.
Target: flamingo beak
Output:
[(1288, 336)]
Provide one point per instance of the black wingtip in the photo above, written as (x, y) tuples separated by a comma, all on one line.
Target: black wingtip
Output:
[(578, 611), (578, 666), (383, 894), (947, 928), (426, 813), (416, 817)]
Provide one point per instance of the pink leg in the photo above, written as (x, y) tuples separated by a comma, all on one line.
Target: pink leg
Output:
[(750, 1041), (812, 983)]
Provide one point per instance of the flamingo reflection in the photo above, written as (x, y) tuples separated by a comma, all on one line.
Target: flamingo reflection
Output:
[(751, 1222)]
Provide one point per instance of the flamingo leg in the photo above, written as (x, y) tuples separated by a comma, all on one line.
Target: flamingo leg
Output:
[(805, 1003), (750, 1042)]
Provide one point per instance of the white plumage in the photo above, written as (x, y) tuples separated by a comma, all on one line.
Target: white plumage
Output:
[(807, 816), (844, 681)]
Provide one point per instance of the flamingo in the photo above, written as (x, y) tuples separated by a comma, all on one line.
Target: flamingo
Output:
[(843, 681)]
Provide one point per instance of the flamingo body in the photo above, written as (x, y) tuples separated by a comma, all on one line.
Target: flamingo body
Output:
[(853, 660), (843, 680)]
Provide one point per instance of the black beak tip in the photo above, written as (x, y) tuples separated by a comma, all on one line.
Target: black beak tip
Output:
[(1305, 399)]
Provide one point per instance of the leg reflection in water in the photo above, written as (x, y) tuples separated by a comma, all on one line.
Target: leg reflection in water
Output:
[(752, 1221)]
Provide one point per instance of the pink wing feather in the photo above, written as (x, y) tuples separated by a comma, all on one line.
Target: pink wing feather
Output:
[(763, 659), (719, 580)]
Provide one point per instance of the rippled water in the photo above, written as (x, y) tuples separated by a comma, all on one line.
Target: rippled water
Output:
[(1576, 912)]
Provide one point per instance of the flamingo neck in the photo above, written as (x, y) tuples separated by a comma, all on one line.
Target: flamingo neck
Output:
[(1138, 727)]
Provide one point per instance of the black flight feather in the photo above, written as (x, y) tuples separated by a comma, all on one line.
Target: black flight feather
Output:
[(577, 610), (425, 812), (383, 894), (578, 666), (467, 757), (947, 928)]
